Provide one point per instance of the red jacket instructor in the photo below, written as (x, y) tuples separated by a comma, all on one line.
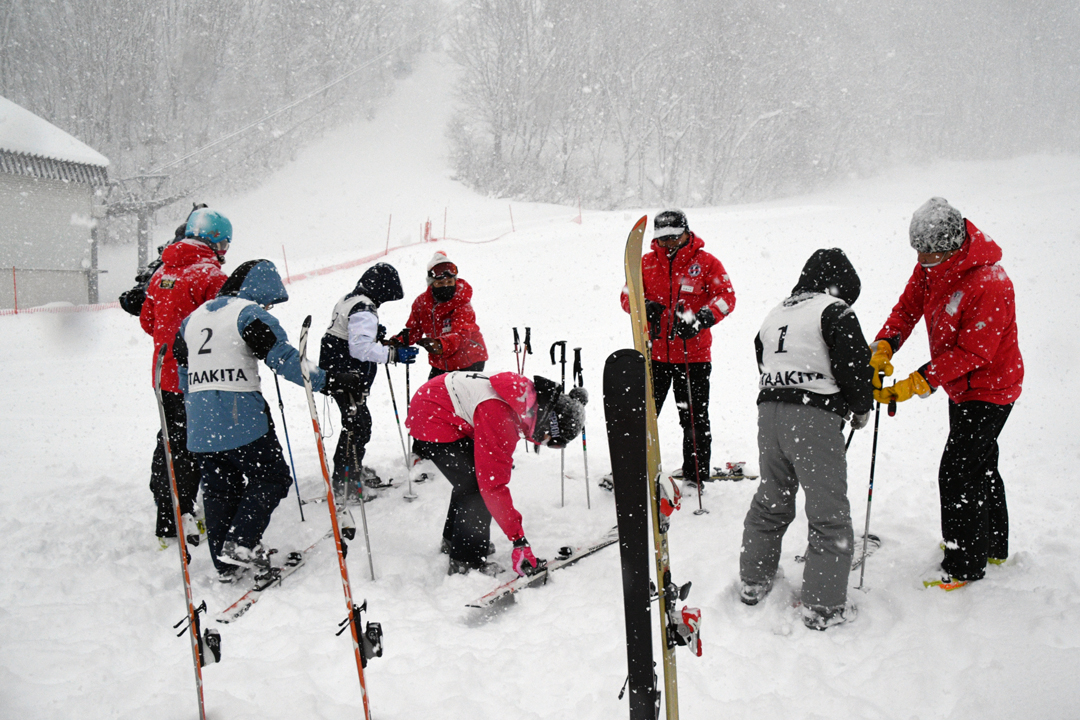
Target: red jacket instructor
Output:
[(687, 291), (190, 274), (968, 305), (443, 321)]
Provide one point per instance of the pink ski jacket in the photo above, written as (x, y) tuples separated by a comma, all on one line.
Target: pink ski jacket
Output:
[(498, 423)]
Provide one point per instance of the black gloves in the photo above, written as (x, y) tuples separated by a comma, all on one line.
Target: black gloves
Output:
[(344, 384), (687, 329), (859, 420), (132, 300), (653, 312), (432, 345)]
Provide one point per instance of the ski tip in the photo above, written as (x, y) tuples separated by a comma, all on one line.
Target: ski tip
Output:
[(642, 222), (307, 322)]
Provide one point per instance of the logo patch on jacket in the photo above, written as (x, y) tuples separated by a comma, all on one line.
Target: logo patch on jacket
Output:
[(167, 283), (695, 270)]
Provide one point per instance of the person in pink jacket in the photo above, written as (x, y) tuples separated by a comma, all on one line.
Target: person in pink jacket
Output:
[(469, 424), (969, 307)]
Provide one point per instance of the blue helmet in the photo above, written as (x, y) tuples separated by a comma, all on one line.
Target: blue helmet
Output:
[(211, 227)]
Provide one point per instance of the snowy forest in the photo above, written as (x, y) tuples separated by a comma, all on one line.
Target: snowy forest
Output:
[(190, 97), (667, 101), (609, 103)]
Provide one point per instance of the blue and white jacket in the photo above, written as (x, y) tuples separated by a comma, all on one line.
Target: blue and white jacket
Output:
[(217, 351)]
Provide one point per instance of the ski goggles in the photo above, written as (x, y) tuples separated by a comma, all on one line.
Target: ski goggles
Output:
[(443, 271)]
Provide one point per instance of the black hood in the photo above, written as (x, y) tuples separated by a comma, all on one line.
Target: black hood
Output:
[(830, 271), (381, 283)]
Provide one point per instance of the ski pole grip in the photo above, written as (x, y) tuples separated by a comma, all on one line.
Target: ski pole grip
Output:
[(892, 408), (558, 343), (517, 340), (528, 340), (579, 379)]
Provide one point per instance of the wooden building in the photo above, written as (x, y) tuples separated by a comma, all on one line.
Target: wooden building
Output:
[(48, 180)]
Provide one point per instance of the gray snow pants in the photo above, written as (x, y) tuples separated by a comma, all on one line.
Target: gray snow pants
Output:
[(801, 445)]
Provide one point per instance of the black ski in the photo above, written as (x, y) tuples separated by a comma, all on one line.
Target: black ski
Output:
[(624, 410)]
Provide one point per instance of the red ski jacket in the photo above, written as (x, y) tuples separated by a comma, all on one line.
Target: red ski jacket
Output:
[(970, 312), (498, 423), (453, 323), (695, 278), (190, 274)]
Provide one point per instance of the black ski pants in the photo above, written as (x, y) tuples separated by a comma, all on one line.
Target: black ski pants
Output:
[(241, 488), (697, 434), (468, 521), (185, 466), (353, 438), (974, 514)]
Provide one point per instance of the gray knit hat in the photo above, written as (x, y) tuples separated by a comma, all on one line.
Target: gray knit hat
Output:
[(936, 227)]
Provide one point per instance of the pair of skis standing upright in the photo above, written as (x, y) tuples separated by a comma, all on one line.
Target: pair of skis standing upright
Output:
[(206, 646), (640, 495)]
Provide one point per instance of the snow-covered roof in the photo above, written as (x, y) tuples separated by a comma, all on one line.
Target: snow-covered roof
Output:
[(21, 131)]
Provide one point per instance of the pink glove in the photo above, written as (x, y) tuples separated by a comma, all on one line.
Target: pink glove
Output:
[(523, 560)]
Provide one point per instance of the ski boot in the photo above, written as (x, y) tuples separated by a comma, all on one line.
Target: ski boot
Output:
[(256, 558)]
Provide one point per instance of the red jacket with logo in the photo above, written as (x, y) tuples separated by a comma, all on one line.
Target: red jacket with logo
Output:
[(498, 423), (453, 323), (693, 277), (970, 312), (190, 274)]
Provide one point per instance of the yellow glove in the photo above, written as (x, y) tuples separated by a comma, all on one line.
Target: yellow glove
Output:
[(914, 384), (880, 360)]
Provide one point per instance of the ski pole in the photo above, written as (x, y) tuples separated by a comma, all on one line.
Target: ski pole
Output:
[(527, 350), (579, 381), (517, 350), (693, 428), (363, 512), (562, 451), (408, 399), (870, 492), (850, 435), (410, 495), (292, 465)]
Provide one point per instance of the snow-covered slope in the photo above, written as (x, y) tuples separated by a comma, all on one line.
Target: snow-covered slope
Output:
[(88, 602)]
